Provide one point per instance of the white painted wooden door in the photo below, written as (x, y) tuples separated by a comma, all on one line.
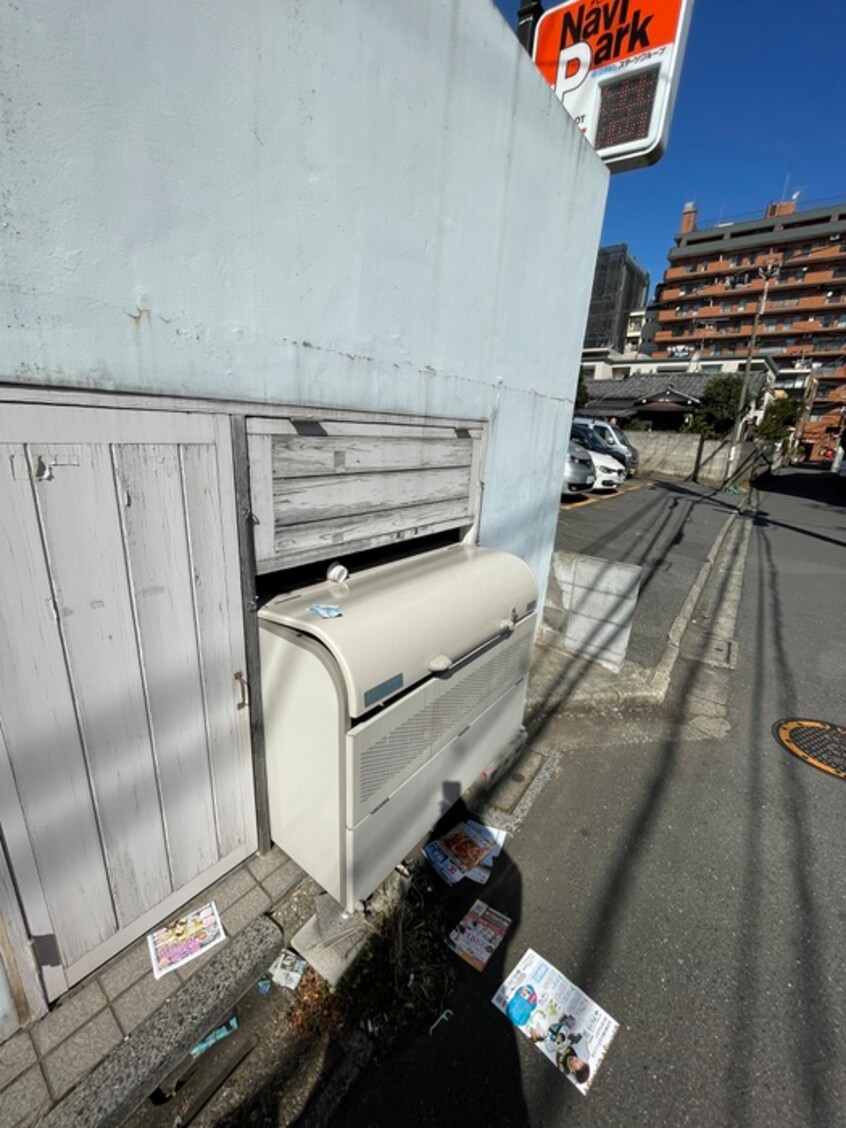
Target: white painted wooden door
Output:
[(125, 768)]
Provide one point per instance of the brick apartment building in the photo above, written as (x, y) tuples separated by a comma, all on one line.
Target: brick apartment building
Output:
[(714, 283)]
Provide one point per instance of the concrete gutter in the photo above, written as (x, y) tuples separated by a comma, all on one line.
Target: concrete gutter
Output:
[(141, 1062)]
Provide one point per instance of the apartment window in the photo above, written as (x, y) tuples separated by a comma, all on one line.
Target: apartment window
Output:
[(817, 413)]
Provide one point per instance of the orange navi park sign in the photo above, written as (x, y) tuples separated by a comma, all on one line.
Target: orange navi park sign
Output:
[(615, 65)]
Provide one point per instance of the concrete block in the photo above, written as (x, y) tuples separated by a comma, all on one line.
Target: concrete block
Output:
[(239, 915), (603, 607), (260, 867), (127, 969), (135, 1067), (564, 568), (24, 1101), (282, 880), (230, 889), (16, 1055), (145, 996), (80, 1053), (604, 575), (554, 621), (605, 642), (72, 1012)]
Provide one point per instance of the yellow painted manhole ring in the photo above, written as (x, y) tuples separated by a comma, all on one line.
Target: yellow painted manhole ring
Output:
[(819, 743)]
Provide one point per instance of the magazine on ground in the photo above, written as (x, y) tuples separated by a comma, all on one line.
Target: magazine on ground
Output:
[(565, 1024), (465, 851), (287, 969), (478, 934), (185, 939)]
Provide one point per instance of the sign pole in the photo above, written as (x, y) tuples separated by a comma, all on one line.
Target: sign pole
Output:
[(528, 17)]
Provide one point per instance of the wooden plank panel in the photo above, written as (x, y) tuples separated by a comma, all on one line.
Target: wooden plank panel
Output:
[(42, 737), (318, 499), (218, 615), (295, 456), (297, 555), (261, 493), (89, 570), (52, 425), (350, 423), (336, 532), (160, 575)]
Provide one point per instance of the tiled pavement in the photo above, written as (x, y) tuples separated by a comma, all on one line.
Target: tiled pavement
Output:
[(41, 1064)]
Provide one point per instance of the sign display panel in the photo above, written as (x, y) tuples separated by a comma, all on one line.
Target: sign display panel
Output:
[(615, 65)]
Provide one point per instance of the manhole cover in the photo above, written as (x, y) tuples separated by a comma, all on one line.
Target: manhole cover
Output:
[(819, 743)]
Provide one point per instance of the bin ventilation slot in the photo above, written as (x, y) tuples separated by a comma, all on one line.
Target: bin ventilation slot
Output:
[(421, 734)]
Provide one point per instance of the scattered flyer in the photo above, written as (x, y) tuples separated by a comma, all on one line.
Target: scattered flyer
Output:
[(442, 863), (287, 969), (478, 934), (566, 1026), (183, 940), (468, 843), (482, 871), (467, 850)]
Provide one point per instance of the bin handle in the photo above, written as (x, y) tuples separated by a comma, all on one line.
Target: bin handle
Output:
[(442, 663)]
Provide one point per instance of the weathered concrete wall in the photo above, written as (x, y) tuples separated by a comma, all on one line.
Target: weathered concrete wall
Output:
[(672, 455), (344, 203), (692, 458)]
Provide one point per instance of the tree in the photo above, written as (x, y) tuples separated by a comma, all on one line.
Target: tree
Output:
[(582, 396), (717, 411), (780, 416)]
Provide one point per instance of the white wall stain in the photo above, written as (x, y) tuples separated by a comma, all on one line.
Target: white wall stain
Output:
[(401, 192)]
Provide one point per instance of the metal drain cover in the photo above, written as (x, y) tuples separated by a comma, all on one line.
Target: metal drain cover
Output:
[(819, 743)]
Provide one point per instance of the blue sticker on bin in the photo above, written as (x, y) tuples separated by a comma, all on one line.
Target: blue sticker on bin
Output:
[(326, 610), (371, 696)]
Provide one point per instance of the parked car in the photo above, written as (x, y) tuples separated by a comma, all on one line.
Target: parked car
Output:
[(610, 472), (615, 439), (579, 474)]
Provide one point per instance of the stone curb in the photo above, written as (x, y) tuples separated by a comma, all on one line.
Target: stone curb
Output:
[(643, 694), (133, 1070)]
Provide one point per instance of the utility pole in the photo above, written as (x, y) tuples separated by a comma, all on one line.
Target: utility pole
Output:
[(768, 272)]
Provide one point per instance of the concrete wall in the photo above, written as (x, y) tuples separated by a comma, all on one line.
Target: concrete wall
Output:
[(671, 455), (345, 203), (692, 458)]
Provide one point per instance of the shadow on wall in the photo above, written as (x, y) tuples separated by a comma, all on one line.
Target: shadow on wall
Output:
[(697, 459)]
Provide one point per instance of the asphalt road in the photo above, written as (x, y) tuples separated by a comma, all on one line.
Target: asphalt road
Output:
[(692, 880), (665, 527)]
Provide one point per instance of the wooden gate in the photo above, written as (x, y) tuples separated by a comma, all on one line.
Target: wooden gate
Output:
[(125, 769)]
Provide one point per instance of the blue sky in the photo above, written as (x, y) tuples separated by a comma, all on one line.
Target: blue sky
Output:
[(762, 99)]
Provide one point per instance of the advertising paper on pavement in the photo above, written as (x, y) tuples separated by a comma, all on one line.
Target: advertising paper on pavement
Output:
[(467, 850), (565, 1024), (184, 939), (478, 934)]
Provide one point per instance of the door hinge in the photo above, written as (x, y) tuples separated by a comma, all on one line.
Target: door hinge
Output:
[(46, 949)]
